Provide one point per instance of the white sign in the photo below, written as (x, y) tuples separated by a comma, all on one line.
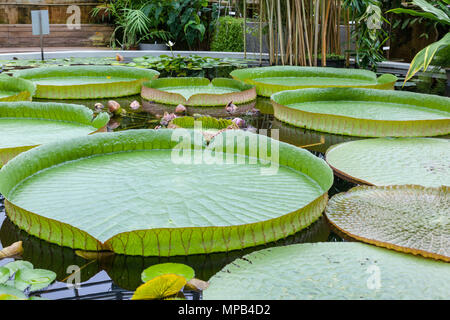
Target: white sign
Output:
[(39, 22)]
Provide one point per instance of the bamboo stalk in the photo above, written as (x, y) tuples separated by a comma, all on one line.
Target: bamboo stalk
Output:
[(245, 29), (280, 32), (316, 30)]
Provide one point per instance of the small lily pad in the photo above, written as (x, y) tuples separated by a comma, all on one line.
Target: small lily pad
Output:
[(168, 268)]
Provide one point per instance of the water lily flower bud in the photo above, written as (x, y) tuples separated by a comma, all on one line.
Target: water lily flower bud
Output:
[(135, 105), (239, 122), (180, 109)]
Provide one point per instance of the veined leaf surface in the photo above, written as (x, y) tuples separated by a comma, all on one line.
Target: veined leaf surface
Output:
[(333, 270), (163, 205)]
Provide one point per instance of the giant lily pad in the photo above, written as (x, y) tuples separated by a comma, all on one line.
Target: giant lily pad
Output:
[(198, 91), (87, 82), (25, 125), (393, 161), (364, 112), (14, 89), (407, 218), (269, 80), (330, 271), (168, 193)]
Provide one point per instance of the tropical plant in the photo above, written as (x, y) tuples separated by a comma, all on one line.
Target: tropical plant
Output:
[(394, 217), (299, 30), (392, 161), (311, 177), (195, 91), (180, 66), (167, 281), (330, 270), (387, 113), (440, 13), (368, 32), (19, 278), (228, 35)]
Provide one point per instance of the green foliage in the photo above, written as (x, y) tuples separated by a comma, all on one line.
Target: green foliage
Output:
[(183, 21), (438, 13), (180, 66), (20, 277), (228, 35), (369, 34)]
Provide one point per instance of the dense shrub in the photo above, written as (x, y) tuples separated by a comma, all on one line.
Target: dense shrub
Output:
[(229, 35)]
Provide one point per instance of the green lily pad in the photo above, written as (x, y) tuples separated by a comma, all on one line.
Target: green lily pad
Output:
[(198, 91), (35, 279), (406, 218), (393, 161), (17, 265), (167, 268), (269, 80), (335, 271), (181, 197), (4, 275), (86, 82), (11, 293), (364, 112), (25, 125), (13, 89)]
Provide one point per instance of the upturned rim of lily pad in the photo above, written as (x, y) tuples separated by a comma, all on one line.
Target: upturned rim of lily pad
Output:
[(247, 75), (362, 126), (165, 241), (24, 89), (110, 89), (344, 205), (60, 112), (154, 91)]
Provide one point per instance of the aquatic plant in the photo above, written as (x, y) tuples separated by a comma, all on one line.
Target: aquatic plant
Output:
[(198, 91), (86, 82), (407, 218), (19, 276), (333, 270), (270, 80), (392, 161), (168, 228), (25, 125), (364, 112), (12, 89)]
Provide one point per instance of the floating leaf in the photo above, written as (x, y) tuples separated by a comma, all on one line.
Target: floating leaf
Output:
[(6, 296), (43, 188), (411, 219), (167, 268), (13, 89), (35, 279), (4, 275), (330, 271), (269, 80), (13, 250), (364, 112), (25, 125), (17, 265), (86, 82), (7, 291), (198, 91), (160, 287), (393, 161)]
